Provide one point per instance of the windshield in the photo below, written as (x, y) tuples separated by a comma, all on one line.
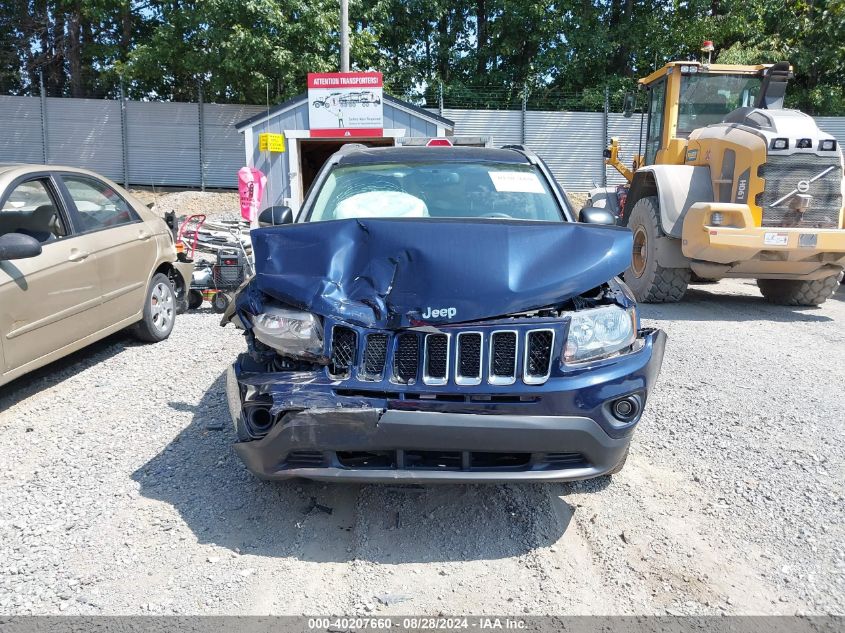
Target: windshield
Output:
[(706, 99), (436, 190)]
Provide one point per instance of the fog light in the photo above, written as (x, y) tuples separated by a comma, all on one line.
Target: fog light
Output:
[(257, 418), (716, 219), (626, 409)]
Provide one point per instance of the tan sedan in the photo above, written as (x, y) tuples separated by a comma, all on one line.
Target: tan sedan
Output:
[(80, 258)]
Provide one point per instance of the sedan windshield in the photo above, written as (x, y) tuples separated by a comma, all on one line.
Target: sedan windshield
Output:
[(436, 190)]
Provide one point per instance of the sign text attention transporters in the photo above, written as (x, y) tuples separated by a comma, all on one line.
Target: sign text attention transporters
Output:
[(345, 104)]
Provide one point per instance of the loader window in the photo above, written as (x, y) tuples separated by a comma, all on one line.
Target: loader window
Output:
[(706, 99), (655, 120)]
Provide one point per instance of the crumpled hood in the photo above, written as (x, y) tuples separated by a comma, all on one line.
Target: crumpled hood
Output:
[(396, 273)]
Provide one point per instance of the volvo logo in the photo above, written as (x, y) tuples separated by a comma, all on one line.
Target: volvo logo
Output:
[(803, 186)]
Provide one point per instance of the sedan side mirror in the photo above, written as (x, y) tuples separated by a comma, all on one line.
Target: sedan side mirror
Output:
[(18, 246), (273, 216), (595, 215)]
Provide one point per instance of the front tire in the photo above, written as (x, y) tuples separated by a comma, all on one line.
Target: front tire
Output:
[(159, 311), (651, 282), (793, 292)]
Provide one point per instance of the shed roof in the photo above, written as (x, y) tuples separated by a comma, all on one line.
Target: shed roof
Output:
[(290, 104)]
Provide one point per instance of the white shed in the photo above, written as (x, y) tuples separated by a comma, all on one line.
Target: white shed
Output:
[(290, 173)]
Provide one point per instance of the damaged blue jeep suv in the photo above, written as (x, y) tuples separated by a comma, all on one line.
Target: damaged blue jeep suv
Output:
[(438, 314)]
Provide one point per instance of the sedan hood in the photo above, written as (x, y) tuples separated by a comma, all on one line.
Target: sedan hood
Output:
[(392, 274)]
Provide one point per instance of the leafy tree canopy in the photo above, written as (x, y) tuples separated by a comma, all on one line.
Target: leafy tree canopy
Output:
[(482, 53)]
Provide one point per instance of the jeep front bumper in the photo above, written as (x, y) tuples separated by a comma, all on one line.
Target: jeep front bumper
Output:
[(560, 431)]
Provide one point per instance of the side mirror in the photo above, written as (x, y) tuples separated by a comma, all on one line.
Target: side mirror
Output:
[(595, 215), (628, 105), (18, 246), (273, 216)]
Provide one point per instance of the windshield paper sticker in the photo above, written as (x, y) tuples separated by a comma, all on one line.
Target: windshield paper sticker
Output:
[(516, 182)]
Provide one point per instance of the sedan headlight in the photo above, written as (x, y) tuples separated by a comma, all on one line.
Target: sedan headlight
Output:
[(599, 333), (291, 332)]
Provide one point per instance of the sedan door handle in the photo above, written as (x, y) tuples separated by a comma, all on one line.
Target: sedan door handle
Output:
[(78, 256), (143, 235)]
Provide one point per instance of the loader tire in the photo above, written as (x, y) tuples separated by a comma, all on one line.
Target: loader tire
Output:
[(793, 292), (651, 282)]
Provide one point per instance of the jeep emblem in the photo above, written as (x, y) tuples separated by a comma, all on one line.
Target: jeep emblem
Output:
[(435, 313)]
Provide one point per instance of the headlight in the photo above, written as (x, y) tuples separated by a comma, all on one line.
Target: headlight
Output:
[(291, 332), (827, 145), (599, 333)]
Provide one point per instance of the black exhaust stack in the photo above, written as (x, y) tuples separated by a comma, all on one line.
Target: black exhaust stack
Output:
[(773, 89)]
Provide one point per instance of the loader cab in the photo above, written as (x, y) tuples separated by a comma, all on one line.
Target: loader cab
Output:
[(685, 96)]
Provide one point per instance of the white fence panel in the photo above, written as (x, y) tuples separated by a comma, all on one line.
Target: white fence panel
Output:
[(223, 150), (503, 126), (86, 133), (21, 140), (835, 126), (571, 143), (164, 143)]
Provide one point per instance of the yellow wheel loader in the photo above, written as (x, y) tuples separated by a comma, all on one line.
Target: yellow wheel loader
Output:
[(728, 183)]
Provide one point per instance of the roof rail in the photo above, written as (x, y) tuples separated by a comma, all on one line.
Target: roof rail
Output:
[(522, 149), (350, 147), (457, 141)]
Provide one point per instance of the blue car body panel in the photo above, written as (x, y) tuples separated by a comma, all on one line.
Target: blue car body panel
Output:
[(388, 273), (388, 280)]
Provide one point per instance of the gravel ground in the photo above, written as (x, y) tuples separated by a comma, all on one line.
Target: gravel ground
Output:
[(215, 204), (120, 493)]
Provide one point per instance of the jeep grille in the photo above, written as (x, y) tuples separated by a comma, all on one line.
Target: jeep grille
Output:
[(465, 357)]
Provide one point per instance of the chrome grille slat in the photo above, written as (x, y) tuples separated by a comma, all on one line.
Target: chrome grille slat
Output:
[(537, 363), (436, 359), (503, 354), (406, 357), (469, 358), (344, 348), (375, 355)]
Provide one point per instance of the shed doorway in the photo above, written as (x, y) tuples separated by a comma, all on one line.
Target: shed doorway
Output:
[(313, 154)]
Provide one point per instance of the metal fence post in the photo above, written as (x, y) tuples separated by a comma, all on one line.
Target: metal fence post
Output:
[(124, 135), (441, 98), (43, 115), (524, 134), (605, 125), (202, 134)]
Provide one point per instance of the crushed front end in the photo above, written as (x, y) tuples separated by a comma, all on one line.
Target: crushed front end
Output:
[(545, 393)]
